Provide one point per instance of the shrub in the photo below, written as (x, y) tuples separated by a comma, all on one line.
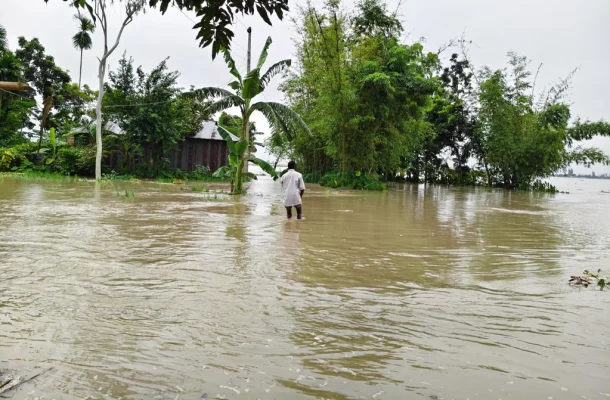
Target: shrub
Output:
[(539, 186), (7, 157), (76, 161), (311, 177), (13, 157), (200, 173), (356, 181)]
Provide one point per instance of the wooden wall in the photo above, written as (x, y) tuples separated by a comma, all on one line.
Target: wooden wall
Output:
[(190, 154), (195, 152)]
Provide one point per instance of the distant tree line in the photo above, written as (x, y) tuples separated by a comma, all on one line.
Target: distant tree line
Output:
[(379, 109), (363, 106)]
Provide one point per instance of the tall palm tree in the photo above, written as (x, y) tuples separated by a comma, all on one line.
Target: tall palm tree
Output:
[(82, 40), (281, 119)]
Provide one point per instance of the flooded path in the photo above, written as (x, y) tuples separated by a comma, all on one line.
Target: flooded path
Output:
[(415, 293)]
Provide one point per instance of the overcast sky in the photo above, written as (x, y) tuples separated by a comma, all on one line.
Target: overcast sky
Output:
[(560, 34)]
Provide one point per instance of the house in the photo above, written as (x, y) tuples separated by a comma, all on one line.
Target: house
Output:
[(206, 148)]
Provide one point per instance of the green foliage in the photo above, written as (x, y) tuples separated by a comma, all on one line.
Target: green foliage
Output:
[(237, 158), (15, 107), (379, 106), (7, 158), (82, 39), (452, 122), (363, 107), (362, 93), (234, 124), (40, 69), (51, 151), (357, 180), (217, 18), (63, 102), (521, 142), (602, 281), (150, 111), (76, 161), (3, 40), (282, 119), (14, 157), (540, 186)]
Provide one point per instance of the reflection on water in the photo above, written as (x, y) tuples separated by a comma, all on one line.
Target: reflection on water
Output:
[(413, 293)]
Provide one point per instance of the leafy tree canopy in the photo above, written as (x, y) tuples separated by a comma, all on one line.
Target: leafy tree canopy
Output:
[(216, 17)]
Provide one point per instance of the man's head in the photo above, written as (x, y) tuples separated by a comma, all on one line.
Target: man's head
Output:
[(292, 165)]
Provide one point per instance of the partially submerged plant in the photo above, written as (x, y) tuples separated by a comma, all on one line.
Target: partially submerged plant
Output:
[(237, 159), (601, 280), (587, 278)]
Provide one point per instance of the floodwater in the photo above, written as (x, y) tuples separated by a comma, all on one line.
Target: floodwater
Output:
[(420, 292)]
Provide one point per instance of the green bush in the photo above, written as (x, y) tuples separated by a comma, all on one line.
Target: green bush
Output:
[(539, 186), (76, 161), (200, 173), (7, 158), (356, 181), (311, 177), (14, 157)]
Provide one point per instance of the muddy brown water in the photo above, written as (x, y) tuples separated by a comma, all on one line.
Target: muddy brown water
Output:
[(420, 292)]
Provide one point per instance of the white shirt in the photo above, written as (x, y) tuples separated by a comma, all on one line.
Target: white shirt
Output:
[(292, 184)]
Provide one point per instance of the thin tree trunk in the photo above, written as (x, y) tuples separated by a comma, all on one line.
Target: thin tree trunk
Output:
[(80, 73), (98, 113), (101, 15), (46, 109), (40, 137), (488, 176)]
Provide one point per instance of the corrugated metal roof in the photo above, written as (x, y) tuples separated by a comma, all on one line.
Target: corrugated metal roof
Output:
[(209, 131), (110, 126)]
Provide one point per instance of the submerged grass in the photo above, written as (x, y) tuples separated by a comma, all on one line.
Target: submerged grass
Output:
[(40, 175)]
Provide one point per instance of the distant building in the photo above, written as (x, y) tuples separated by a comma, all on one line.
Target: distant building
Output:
[(206, 148)]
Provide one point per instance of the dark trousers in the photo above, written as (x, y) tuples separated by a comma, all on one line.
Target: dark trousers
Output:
[(289, 211)]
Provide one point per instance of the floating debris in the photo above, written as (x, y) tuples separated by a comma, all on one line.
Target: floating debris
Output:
[(587, 277), (579, 280), (10, 380)]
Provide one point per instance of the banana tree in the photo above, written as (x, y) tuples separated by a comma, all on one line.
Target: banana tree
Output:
[(237, 157), (51, 151), (281, 119)]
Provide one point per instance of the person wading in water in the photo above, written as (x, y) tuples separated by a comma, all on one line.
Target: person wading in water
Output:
[(293, 188)]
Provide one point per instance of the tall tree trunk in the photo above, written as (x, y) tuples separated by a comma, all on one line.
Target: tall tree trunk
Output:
[(101, 15), (98, 114), (80, 73), (487, 172), (47, 104)]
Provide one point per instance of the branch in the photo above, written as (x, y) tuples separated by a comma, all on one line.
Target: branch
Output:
[(99, 5), (127, 21)]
